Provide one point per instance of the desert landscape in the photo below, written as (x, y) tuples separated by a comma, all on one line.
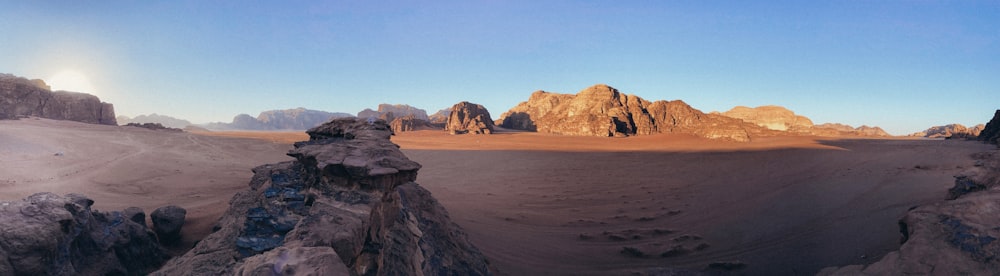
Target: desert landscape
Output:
[(499, 138), (549, 204)]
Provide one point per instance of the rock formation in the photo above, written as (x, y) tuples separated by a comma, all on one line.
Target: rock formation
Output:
[(466, 117), (164, 120), (409, 123), (167, 223), (288, 119), (772, 117), (20, 97), (348, 204), (397, 110), (601, 110), (991, 132), (47, 234), (950, 131)]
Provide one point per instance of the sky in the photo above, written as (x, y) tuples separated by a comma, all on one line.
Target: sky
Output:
[(901, 65)]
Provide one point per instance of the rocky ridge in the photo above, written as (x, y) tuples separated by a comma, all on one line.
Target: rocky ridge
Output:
[(991, 131), (834, 129), (601, 110), (346, 206), (950, 131), (466, 117), (20, 97), (47, 234)]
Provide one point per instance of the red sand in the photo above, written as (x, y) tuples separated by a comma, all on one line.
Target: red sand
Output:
[(543, 204)]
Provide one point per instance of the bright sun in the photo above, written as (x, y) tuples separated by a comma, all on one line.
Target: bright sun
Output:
[(70, 80)]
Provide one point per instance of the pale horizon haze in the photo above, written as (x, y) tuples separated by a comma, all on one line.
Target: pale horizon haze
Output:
[(900, 65)]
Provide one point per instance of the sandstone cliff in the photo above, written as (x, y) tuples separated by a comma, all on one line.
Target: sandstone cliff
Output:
[(409, 123), (288, 119), (20, 97), (601, 110), (440, 117), (772, 117), (991, 132), (950, 131), (833, 129), (347, 206), (466, 117)]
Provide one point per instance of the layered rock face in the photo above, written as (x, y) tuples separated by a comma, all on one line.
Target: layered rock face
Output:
[(466, 117), (950, 131), (440, 117), (991, 132), (397, 110), (347, 206), (22, 97), (601, 110), (47, 234), (288, 119), (772, 117)]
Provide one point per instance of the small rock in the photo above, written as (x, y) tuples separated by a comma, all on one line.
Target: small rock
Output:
[(167, 222)]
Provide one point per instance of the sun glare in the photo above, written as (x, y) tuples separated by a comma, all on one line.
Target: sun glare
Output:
[(70, 80)]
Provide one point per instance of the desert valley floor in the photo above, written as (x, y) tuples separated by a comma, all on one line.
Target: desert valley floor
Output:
[(542, 204)]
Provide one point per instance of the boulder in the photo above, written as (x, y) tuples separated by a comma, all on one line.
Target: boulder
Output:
[(167, 223), (466, 117), (47, 234), (20, 97), (346, 205)]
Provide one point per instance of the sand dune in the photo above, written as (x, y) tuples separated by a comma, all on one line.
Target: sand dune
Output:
[(543, 204)]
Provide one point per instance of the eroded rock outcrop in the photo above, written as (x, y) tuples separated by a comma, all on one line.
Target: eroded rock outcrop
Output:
[(991, 132), (440, 117), (466, 117), (601, 110), (154, 118), (834, 129), (348, 203), (20, 97), (950, 131), (47, 234)]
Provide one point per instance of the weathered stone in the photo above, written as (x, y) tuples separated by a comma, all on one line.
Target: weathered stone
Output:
[(167, 222), (466, 117), (772, 117), (409, 123), (46, 234), (991, 132)]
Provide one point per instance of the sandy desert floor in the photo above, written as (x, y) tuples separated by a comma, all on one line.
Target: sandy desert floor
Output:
[(549, 205)]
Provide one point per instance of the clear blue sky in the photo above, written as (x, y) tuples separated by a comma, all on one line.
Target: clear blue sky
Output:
[(902, 65)]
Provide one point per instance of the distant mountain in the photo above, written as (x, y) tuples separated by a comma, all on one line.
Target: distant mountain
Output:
[(392, 111), (288, 119), (164, 120), (20, 97), (440, 117), (948, 131), (834, 129), (772, 117)]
